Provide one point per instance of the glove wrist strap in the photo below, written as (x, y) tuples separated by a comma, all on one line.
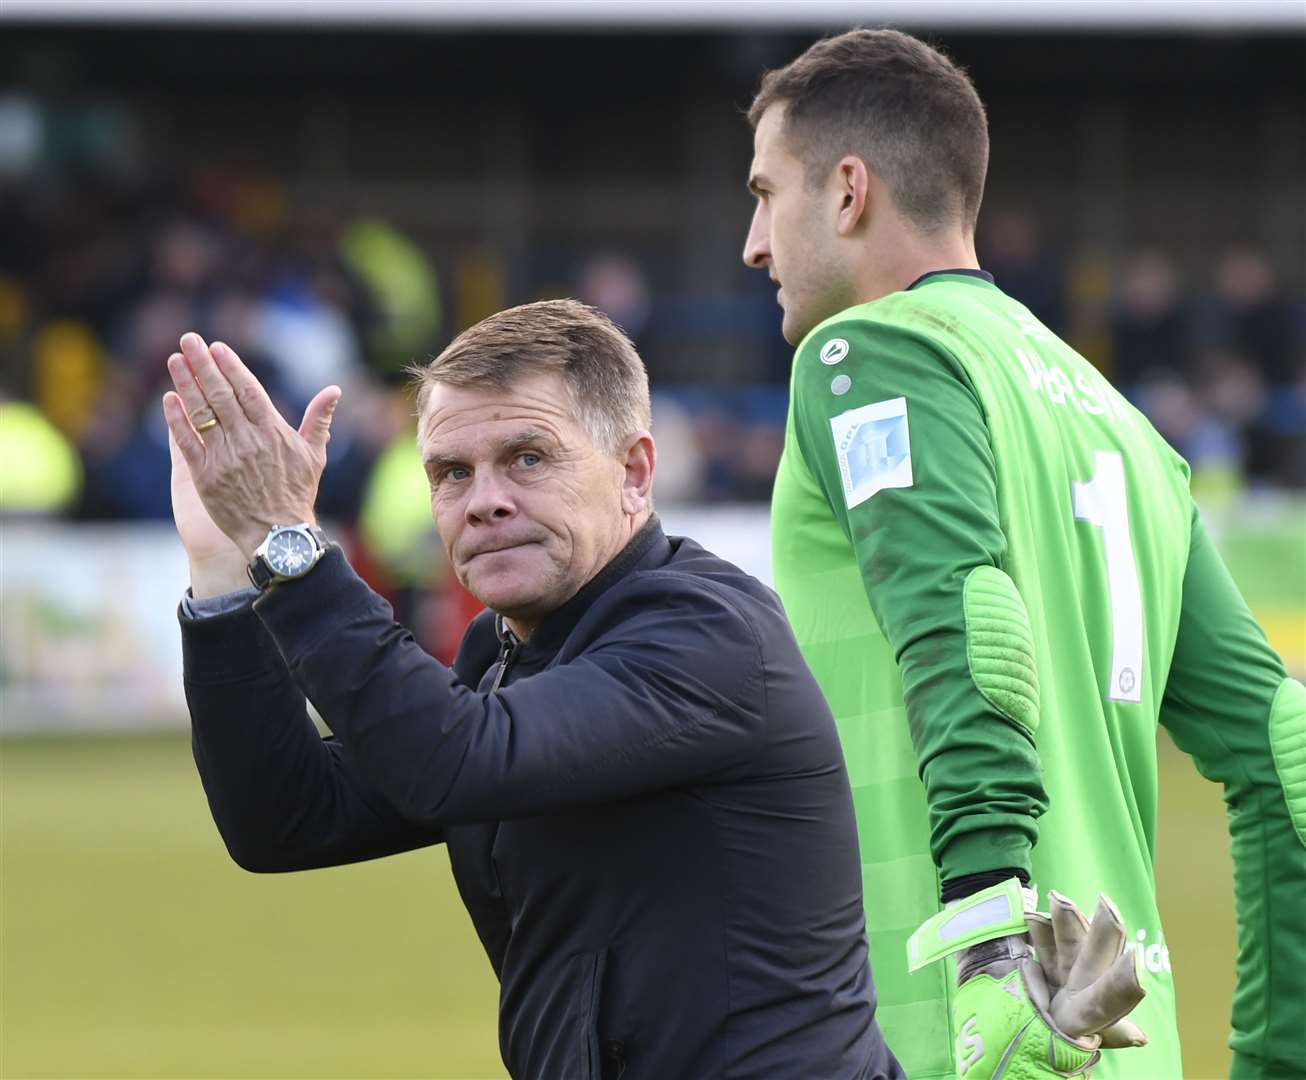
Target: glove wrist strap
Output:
[(996, 957), (990, 913)]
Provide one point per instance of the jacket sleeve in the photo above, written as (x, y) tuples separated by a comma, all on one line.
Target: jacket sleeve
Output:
[(670, 693), (1229, 704), (282, 797), (917, 538)]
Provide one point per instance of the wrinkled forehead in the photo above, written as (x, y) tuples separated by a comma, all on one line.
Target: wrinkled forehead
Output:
[(478, 418)]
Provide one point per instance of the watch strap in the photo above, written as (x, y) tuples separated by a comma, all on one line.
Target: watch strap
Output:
[(260, 573)]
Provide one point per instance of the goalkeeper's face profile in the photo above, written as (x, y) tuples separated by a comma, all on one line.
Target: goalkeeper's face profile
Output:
[(528, 507), (795, 231)]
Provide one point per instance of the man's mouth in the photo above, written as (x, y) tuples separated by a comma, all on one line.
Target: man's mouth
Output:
[(496, 549)]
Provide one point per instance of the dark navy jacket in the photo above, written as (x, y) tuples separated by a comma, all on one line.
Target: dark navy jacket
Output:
[(645, 805)]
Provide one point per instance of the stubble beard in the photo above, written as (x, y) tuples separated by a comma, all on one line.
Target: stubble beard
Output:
[(825, 290), (829, 296)]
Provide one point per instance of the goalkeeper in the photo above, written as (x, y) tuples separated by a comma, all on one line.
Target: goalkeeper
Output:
[(995, 569)]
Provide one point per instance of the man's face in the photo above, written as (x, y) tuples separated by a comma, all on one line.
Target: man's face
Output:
[(793, 233), (528, 508)]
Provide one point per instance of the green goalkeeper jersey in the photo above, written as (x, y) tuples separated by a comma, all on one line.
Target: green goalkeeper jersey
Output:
[(993, 566)]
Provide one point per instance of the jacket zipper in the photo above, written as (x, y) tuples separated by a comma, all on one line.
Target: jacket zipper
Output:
[(507, 653)]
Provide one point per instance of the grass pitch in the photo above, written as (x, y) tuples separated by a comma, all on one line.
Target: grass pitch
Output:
[(130, 945)]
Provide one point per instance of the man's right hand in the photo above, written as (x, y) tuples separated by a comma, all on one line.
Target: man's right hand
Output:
[(216, 564)]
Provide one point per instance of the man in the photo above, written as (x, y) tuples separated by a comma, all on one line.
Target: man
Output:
[(639, 783), (994, 568)]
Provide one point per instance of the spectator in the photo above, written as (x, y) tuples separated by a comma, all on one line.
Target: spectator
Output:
[(680, 462), (1011, 249), (616, 286), (1149, 328), (1252, 317), (1211, 444), (42, 474)]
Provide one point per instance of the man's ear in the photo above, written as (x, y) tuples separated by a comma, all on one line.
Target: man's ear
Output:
[(854, 183), (638, 462)]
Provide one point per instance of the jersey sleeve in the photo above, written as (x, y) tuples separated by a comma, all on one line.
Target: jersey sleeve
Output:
[(894, 433), (1227, 697)]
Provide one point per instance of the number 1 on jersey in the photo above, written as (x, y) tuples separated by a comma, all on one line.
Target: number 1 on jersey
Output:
[(1101, 501)]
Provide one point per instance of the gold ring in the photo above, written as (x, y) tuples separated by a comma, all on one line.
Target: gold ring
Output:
[(208, 425)]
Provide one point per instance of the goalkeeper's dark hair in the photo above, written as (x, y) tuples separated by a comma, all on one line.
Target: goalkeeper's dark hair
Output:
[(599, 366), (901, 106)]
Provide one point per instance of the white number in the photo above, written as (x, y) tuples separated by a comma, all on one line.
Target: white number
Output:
[(1101, 501)]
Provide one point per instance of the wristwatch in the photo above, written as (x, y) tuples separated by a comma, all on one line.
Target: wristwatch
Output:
[(288, 552)]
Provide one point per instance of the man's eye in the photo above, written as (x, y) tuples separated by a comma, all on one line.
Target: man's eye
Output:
[(530, 459), (458, 473)]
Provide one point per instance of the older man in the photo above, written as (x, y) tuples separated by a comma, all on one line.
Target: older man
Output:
[(639, 783)]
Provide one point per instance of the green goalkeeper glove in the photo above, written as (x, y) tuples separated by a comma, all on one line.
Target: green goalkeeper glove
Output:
[(1023, 1013)]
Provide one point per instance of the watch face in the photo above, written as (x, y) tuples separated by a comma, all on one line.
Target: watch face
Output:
[(290, 552)]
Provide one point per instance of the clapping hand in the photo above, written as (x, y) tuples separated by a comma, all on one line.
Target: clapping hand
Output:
[(238, 467)]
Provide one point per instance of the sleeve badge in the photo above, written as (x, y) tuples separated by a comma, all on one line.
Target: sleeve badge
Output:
[(873, 449), (833, 351)]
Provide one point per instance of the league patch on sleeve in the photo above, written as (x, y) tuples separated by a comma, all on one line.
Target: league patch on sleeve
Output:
[(873, 449)]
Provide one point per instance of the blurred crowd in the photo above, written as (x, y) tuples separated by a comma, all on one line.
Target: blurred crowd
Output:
[(101, 272), (98, 279), (1216, 359)]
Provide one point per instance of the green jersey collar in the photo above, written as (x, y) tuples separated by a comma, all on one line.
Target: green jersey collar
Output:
[(981, 278), (974, 276)]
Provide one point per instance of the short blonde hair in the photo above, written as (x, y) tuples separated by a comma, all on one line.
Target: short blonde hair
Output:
[(600, 367)]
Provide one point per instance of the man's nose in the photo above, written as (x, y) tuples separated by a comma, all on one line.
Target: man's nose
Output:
[(757, 247), (490, 499)]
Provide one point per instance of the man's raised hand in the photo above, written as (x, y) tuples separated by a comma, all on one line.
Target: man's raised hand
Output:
[(250, 469), (216, 564)]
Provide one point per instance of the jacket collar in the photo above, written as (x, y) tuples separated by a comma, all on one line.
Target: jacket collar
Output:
[(649, 546)]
